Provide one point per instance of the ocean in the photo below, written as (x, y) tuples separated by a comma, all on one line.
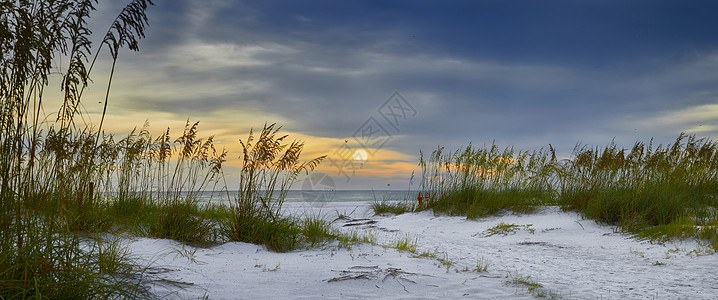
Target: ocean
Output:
[(318, 197), (302, 202)]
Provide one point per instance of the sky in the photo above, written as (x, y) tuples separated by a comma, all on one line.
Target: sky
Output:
[(371, 83)]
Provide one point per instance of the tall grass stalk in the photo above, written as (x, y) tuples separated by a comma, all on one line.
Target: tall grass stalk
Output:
[(270, 167), (48, 170)]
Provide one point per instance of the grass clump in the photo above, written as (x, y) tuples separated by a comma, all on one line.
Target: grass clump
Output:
[(269, 169), (317, 230), (405, 243), (427, 254), (346, 240), (196, 165), (481, 265), (478, 182), (51, 263), (531, 286), (656, 192), (506, 229), (181, 222), (445, 262), (397, 207)]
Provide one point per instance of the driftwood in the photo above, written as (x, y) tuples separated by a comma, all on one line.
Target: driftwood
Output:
[(374, 272)]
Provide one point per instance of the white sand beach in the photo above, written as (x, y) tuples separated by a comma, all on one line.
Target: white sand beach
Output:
[(550, 254)]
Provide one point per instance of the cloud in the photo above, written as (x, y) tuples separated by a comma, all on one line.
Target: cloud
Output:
[(677, 97), (197, 55), (701, 113), (525, 75), (702, 119), (703, 128)]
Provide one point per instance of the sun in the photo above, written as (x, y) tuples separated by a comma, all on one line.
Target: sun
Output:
[(360, 155)]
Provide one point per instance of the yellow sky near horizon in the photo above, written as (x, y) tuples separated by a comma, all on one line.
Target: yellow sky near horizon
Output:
[(380, 163), (230, 125)]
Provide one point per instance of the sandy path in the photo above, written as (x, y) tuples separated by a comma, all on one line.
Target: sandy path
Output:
[(570, 257), (567, 256)]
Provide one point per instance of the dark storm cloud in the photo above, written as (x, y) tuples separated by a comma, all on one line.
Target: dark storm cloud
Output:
[(581, 32)]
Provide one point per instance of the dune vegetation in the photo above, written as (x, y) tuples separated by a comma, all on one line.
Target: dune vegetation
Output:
[(69, 188), (653, 191), (52, 168)]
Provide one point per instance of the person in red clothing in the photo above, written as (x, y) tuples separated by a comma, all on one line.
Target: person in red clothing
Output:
[(420, 198)]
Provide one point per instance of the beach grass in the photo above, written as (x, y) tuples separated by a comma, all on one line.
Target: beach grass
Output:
[(481, 265), (483, 181), (52, 166), (405, 243), (317, 230), (393, 206), (65, 183), (270, 167), (656, 192)]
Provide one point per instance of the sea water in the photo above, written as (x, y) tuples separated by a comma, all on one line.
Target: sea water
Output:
[(354, 203), (312, 196)]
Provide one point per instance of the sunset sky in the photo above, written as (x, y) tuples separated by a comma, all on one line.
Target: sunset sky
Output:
[(393, 77)]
